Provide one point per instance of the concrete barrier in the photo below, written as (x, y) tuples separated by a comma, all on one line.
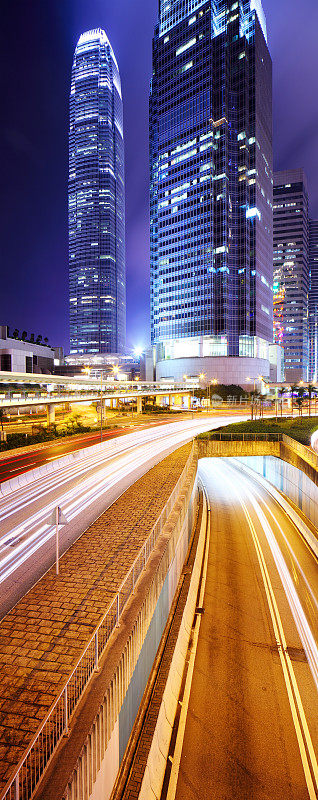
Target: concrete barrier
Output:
[(157, 759)]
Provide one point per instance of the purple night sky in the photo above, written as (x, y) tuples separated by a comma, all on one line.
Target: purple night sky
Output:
[(38, 40)]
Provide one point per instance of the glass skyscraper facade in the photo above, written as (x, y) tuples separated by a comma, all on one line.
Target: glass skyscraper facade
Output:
[(211, 180), (313, 300), (96, 200), (291, 271)]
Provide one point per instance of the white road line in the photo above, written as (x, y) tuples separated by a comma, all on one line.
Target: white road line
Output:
[(306, 749), (26, 466), (173, 781)]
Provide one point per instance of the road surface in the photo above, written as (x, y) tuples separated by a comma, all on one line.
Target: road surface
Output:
[(251, 726), (17, 463), (14, 465), (84, 487)]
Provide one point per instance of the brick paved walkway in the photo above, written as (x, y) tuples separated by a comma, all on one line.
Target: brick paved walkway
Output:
[(42, 638)]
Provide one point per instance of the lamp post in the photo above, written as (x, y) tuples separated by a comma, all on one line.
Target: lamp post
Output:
[(202, 377), (101, 406), (252, 399)]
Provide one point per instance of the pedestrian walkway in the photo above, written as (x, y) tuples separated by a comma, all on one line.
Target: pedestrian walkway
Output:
[(42, 638)]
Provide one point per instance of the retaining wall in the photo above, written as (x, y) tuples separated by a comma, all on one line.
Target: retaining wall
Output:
[(290, 480)]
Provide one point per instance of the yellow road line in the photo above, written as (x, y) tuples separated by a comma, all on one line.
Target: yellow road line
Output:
[(298, 713)]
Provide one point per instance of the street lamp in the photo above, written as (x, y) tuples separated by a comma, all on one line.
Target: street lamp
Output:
[(101, 406), (252, 398), (213, 382)]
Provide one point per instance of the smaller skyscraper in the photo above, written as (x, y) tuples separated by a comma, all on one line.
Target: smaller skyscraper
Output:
[(96, 201), (313, 300), (291, 271)]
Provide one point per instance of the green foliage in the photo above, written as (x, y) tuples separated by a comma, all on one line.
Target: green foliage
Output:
[(299, 428)]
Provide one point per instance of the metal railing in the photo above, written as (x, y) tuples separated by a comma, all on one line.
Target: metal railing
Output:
[(32, 765), (242, 437)]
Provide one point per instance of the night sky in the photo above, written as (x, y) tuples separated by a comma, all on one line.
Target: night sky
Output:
[(38, 39)]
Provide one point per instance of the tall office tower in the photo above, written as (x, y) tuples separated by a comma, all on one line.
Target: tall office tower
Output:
[(211, 190), (313, 300), (291, 271), (96, 201)]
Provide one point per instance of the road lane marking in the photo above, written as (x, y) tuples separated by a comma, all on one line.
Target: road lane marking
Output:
[(177, 754), (300, 618), (26, 466), (284, 504), (306, 748)]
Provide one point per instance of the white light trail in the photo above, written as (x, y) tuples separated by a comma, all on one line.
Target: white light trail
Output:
[(306, 748), (75, 486)]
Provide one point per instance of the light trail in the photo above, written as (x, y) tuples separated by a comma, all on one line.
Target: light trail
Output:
[(299, 615), (78, 484), (84, 460), (306, 748)]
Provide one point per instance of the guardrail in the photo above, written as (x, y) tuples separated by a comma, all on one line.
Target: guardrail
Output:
[(32, 765), (243, 437), (107, 394)]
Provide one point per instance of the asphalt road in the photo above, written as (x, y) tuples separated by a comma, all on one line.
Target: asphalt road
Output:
[(83, 487), (252, 723), (14, 465), (11, 466)]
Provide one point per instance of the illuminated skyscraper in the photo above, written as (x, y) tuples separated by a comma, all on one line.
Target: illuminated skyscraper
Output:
[(96, 200), (211, 189), (313, 300), (291, 271)]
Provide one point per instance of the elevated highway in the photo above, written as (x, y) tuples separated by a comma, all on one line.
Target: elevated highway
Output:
[(83, 483)]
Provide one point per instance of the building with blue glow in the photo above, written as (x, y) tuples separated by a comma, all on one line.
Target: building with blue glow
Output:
[(291, 271), (96, 201), (313, 300), (211, 190)]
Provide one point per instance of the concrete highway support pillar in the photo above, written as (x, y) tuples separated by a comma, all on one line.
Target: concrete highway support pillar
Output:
[(139, 405), (50, 414)]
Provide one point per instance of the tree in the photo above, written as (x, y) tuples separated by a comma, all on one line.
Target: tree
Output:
[(24, 335), (2, 418), (294, 389), (39, 339), (282, 391), (32, 338), (299, 403), (15, 334), (46, 341), (312, 391)]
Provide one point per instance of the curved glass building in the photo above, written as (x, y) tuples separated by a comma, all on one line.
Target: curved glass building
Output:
[(211, 190), (96, 200)]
